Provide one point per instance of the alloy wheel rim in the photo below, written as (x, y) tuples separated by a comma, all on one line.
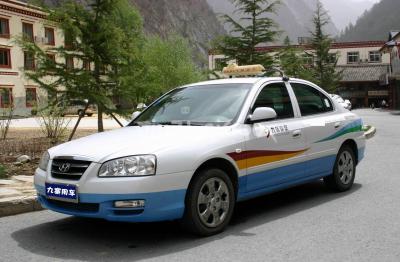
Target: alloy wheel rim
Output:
[(213, 202), (345, 167)]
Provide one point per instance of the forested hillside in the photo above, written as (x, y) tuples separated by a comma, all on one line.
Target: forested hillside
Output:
[(294, 17), (376, 23)]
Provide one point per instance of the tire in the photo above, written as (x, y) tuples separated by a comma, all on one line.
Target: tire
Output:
[(344, 171), (209, 203), (89, 114), (80, 112)]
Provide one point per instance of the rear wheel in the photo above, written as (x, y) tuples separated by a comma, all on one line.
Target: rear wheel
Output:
[(209, 203), (344, 171)]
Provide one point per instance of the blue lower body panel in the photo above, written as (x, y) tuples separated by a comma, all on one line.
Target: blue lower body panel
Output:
[(159, 206), (285, 177)]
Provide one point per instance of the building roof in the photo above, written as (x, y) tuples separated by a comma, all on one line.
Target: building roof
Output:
[(393, 34), (362, 73), (335, 45), (392, 42)]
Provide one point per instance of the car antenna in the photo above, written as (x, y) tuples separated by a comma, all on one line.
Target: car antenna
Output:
[(281, 72)]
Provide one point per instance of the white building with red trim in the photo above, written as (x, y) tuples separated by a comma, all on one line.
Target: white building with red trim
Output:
[(392, 48), (362, 65), (17, 18)]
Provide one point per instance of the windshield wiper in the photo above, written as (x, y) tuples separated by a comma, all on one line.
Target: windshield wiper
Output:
[(166, 123), (179, 123)]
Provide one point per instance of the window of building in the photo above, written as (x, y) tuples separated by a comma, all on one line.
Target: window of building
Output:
[(49, 35), (374, 57), (353, 57), (68, 40), (332, 58), (6, 98), (4, 28), (307, 59), (219, 63), (311, 101), (69, 62), (31, 97), (277, 97), (86, 65), (27, 30), (29, 61), (51, 57), (5, 58)]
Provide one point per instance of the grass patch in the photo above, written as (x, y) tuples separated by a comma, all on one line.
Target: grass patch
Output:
[(3, 172)]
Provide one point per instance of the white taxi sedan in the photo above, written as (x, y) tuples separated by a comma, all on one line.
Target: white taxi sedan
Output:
[(199, 149)]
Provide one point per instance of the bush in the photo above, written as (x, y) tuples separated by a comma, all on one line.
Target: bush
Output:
[(5, 121), (3, 172), (52, 124)]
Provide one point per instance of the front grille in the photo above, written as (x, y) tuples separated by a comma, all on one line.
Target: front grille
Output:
[(68, 169), (81, 207)]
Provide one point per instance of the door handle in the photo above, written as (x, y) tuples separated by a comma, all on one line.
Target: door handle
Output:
[(296, 133), (338, 124)]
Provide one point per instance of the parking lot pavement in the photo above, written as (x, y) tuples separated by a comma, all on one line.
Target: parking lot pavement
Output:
[(86, 122), (307, 223)]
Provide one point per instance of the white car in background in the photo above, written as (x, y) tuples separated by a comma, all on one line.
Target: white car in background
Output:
[(345, 103), (199, 149)]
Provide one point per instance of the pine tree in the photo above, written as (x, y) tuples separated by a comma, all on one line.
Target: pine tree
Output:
[(103, 37), (324, 69), (255, 27), (292, 62)]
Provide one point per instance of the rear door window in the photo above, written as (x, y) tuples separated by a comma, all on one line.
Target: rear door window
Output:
[(310, 100)]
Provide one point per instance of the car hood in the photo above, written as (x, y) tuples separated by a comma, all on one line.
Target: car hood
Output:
[(136, 140)]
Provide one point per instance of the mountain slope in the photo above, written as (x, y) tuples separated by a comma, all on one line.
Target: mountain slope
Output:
[(191, 19), (376, 23), (294, 17), (344, 12)]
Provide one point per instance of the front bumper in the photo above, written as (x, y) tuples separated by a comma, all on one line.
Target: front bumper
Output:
[(164, 196), (159, 206)]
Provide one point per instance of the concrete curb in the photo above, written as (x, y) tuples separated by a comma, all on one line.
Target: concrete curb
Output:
[(370, 133), (18, 205)]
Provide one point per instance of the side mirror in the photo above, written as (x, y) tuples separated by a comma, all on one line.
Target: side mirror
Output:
[(141, 106), (135, 114), (262, 114)]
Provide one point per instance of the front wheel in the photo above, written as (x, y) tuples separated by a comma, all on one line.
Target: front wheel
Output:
[(344, 171), (210, 202)]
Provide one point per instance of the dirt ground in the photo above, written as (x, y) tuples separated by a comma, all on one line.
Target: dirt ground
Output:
[(29, 142)]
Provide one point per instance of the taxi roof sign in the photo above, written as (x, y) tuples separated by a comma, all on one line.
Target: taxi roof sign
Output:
[(248, 70)]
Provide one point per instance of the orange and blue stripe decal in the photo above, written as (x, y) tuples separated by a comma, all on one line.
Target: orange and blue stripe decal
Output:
[(249, 159)]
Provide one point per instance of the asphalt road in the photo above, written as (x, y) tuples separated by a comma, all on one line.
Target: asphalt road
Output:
[(307, 223)]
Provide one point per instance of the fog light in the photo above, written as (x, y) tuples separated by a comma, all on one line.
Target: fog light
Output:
[(129, 203)]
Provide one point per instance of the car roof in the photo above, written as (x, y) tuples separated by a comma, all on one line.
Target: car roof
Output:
[(248, 80)]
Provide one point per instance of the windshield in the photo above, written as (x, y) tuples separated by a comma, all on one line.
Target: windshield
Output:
[(198, 105)]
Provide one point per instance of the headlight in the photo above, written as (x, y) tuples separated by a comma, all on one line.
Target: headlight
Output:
[(144, 165), (44, 161)]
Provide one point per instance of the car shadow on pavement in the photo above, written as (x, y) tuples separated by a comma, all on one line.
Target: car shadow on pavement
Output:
[(94, 240)]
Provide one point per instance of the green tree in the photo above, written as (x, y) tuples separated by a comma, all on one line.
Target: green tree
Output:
[(292, 62), (104, 37), (167, 63), (324, 69), (255, 27)]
